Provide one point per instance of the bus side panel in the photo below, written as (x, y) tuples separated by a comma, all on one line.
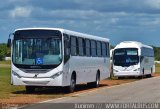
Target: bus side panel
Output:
[(86, 68), (66, 74), (82, 66), (106, 69), (147, 65), (147, 61)]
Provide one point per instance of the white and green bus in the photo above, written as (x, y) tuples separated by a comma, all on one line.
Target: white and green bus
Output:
[(57, 57)]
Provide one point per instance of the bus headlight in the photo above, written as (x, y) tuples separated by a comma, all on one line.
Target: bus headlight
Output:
[(15, 74), (115, 70), (137, 69), (56, 75)]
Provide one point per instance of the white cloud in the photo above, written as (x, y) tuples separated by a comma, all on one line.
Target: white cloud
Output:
[(114, 20), (13, 0), (21, 12), (150, 23), (154, 3), (75, 14)]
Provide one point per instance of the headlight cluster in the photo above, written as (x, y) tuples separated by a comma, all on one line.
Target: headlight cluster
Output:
[(115, 70), (137, 69), (15, 74), (56, 75)]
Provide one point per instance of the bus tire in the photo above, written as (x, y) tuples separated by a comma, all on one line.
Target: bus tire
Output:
[(142, 76), (151, 72), (96, 83), (72, 83), (150, 75), (120, 77), (30, 89)]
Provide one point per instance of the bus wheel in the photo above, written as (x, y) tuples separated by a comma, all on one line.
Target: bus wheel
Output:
[(142, 74), (151, 71), (30, 89), (121, 77), (96, 83), (72, 83), (150, 75)]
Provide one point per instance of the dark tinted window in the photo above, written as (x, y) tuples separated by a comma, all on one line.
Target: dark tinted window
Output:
[(88, 47), (84, 47), (73, 46), (66, 47), (39, 34), (108, 51), (104, 49), (147, 52), (80, 46), (93, 48), (99, 51), (125, 57)]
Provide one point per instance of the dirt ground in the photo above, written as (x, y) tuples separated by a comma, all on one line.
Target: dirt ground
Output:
[(46, 94)]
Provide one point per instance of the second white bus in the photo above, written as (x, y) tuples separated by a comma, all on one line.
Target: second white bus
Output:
[(58, 57), (131, 58)]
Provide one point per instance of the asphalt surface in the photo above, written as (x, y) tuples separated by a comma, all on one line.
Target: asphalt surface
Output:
[(143, 91)]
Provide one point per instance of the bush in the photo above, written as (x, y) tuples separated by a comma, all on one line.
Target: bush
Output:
[(4, 51)]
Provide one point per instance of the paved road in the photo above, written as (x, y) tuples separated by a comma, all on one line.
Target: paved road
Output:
[(143, 91)]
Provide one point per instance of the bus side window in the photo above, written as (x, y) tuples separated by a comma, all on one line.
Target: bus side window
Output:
[(108, 51), (80, 46), (141, 58), (88, 47), (66, 47), (93, 48), (104, 49), (99, 49), (74, 46), (84, 47)]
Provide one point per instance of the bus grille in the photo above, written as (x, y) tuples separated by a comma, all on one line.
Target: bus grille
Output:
[(35, 70), (36, 83)]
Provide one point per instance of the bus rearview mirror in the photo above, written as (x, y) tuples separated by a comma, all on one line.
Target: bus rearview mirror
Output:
[(9, 40), (9, 43)]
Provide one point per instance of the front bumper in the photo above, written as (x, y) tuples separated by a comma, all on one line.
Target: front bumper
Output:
[(37, 81), (127, 73)]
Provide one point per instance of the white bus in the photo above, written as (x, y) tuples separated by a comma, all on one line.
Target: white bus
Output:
[(111, 55), (131, 58), (57, 57)]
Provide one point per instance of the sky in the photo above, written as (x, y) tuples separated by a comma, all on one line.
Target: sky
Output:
[(118, 20)]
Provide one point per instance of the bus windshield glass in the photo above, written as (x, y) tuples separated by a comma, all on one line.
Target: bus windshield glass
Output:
[(125, 57), (37, 47)]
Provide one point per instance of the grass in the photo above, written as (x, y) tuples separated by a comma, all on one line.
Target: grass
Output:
[(157, 68), (6, 89), (5, 62)]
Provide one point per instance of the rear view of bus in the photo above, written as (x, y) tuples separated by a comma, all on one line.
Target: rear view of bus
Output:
[(132, 58)]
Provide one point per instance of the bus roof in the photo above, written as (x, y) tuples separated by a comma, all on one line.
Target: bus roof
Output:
[(70, 32), (131, 44)]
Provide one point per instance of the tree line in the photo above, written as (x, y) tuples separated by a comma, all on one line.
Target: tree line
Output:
[(156, 53), (6, 52)]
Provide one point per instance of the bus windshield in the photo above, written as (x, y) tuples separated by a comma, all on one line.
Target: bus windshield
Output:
[(125, 57), (35, 49)]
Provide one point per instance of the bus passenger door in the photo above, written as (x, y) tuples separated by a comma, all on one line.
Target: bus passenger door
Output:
[(66, 58)]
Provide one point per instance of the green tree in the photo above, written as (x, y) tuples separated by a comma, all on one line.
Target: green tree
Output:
[(4, 51), (111, 46), (157, 53)]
